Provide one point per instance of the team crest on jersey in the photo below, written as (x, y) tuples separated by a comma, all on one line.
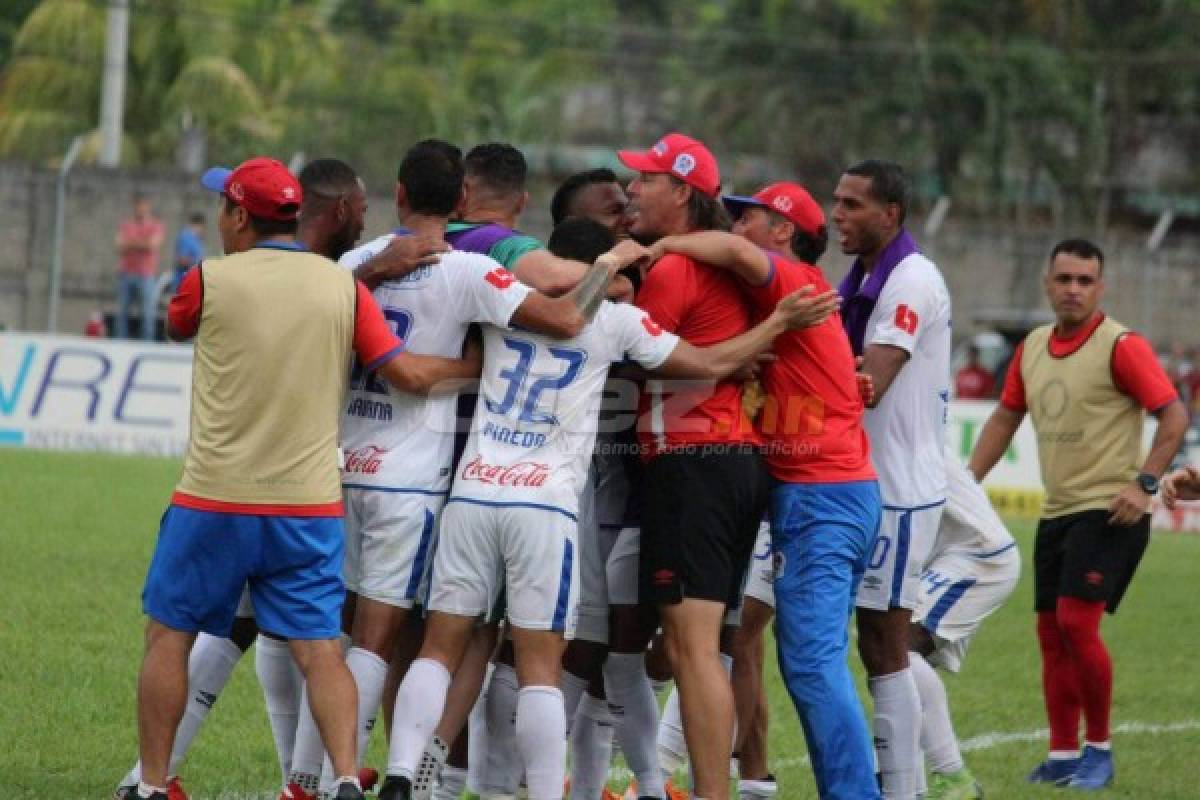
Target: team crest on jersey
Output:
[(500, 278), (684, 164), (652, 327)]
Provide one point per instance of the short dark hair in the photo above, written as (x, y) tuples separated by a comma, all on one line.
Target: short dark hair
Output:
[(499, 165), (1081, 248), (889, 184), (263, 226), (580, 239), (196, 218), (326, 179), (432, 176), (564, 195), (809, 247)]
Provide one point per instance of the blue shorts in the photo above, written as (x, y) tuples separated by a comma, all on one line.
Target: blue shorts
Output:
[(203, 560)]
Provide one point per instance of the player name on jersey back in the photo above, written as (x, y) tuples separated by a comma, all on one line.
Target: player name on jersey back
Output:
[(394, 440), (535, 424)]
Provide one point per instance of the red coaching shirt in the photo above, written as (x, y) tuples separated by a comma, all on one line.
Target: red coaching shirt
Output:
[(812, 418), (1135, 369), (704, 306)]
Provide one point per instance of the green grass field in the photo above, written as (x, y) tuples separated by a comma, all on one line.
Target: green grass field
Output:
[(76, 533)]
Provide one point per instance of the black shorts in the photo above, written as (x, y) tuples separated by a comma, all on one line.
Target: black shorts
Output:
[(1081, 555), (700, 513)]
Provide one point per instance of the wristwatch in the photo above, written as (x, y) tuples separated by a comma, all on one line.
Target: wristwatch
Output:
[(1148, 483)]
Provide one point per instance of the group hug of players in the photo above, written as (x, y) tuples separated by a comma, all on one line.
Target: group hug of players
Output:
[(637, 476)]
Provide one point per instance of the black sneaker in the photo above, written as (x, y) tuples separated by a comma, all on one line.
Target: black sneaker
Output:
[(396, 787), (346, 790)]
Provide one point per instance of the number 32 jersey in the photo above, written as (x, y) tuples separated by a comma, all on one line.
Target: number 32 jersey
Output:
[(394, 440), (535, 424)]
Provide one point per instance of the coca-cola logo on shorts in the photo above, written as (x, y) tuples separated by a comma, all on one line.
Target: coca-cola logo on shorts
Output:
[(365, 460), (523, 473)]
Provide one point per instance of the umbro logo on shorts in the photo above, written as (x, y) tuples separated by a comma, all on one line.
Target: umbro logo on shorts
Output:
[(664, 577)]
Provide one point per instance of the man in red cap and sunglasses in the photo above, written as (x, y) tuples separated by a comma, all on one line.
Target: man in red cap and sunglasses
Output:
[(705, 485), (260, 500)]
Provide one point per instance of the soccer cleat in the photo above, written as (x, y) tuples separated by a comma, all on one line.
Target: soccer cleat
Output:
[(396, 787), (294, 791), (959, 785), (367, 778), (673, 792), (609, 794), (1056, 771), (174, 791), (1095, 770), (348, 790)]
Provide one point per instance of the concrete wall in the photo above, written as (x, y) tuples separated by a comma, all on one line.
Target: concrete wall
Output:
[(986, 267)]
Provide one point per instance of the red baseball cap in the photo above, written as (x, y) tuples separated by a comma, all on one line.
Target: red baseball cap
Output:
[(262, 186), (682, 156), (790, 200)]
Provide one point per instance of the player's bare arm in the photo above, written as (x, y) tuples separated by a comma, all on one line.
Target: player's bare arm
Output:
[(1181, 486), (1133, 501), (883, 363), (994, 439), (552, 275), (722, 360), (743, 258), (402, 255), (565, 316), (421, 374)]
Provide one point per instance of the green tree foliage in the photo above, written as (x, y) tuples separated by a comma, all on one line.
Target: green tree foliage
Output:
[(1006, 106)]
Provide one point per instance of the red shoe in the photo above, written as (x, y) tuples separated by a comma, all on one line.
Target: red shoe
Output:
[(175, 790), (675, 793), (294, 791), (367, 778)]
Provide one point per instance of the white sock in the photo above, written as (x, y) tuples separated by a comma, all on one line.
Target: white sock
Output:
[(937, 731), (635, 715), (661, 686), (897, 728), (283, 687), (419, 705), (451, 783), (478, 737), (146, 790), (370, 673), (501, 770), (591, 748), (308, 751), (672, 748), (542, 740), (757, 790), (573, 688)]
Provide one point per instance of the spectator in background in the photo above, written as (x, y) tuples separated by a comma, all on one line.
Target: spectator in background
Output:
[(973, 381), (138, 242), (189, 247)]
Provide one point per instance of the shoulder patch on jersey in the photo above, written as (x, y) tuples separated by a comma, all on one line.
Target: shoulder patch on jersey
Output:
[(500, 278), (906, 319)]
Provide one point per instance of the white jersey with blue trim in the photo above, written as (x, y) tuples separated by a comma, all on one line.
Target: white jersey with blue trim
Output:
[(402, 442), (907, 427), (535, 424), (969, 523)]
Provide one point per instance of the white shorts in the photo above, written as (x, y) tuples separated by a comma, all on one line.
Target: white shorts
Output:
[(622, 567), (958, 592), (595, 544), (390, 540), (760, 582), (893, 575), (528, 553)]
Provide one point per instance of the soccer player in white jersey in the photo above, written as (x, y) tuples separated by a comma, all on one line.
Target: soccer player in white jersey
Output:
[(510, 521), (973, 570), (399, 447), (896, 310)]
